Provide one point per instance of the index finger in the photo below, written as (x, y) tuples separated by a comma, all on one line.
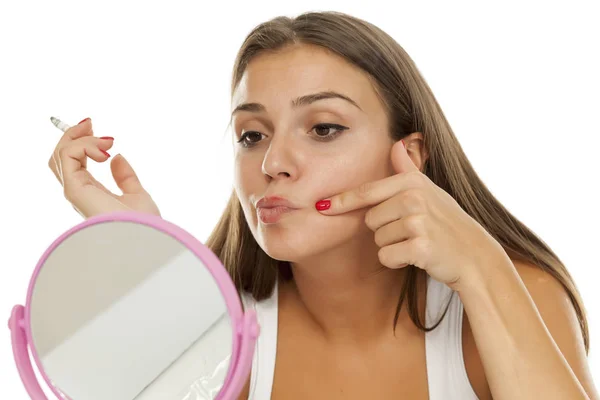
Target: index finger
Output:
[(83, 128), (367, 194)]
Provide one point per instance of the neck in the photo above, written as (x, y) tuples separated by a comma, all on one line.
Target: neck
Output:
[(347, 293)]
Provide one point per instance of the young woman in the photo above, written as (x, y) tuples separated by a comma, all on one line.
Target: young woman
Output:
[(379, 264)]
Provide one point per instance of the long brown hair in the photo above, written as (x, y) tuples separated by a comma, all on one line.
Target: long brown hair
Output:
[(411, 107)]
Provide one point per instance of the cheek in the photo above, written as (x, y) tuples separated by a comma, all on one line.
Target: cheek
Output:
[(245, 176), (347, 172)]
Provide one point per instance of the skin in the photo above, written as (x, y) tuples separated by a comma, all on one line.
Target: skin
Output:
[(325, 348)]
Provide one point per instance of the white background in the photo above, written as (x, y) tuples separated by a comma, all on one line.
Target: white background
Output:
[(518, 82)]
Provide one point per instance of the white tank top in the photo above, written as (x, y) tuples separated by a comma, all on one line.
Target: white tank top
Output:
[(446, 373)]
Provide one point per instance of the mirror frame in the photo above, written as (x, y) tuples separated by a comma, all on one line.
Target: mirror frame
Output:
[(245, 328)]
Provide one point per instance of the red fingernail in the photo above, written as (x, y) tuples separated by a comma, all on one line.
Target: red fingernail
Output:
[(403, 145), (323, 205), (107, 138), (105, 153), (83, 120)]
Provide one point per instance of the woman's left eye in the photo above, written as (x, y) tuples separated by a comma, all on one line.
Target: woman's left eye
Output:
[(322, 131)]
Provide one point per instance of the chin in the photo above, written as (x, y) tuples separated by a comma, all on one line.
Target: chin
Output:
[(306, 237)]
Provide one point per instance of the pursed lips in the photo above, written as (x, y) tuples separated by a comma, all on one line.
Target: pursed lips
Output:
[(271, 208)]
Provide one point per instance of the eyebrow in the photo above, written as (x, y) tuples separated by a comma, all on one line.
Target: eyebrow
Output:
[(298, 102)]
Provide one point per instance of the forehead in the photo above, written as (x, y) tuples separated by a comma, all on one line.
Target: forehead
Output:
[(280, 76)]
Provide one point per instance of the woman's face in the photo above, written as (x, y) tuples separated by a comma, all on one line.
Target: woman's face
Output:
[(286, 151)]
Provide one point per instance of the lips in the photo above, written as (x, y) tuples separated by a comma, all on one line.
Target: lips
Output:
[(272, 215), (274, 201), (271, 208)]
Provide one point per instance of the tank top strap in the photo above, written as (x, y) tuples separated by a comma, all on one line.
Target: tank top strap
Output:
[(446, 373), (265, 352)]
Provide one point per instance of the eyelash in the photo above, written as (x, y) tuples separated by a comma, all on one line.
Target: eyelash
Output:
[(328, 138)]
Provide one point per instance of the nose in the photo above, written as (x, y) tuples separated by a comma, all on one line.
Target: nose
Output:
[(279, 159)]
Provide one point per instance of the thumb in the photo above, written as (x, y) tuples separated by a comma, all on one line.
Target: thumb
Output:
[(401, 161), (124, 175)]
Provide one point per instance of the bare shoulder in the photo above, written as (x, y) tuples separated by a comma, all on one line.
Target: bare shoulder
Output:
[(554, 305), (558, 313)]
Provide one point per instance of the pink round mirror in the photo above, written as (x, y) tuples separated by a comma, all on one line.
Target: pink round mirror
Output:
[(129, 306)]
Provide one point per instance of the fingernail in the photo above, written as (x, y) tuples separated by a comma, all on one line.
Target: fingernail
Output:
[(83, 120), (107, 138), (403, 145), (105, 153), (323, 205)]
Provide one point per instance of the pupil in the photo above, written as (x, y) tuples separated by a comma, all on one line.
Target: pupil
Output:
[(323, 129)]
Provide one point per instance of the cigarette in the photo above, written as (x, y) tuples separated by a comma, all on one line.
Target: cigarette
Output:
[(59, 124)]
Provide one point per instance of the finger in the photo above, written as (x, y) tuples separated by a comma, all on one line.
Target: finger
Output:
[(400, 230), (408, 203), (124, 175), (398, 255), (384, 213), (73, 158), (94, 147), (84, 128), (367, 194), (401, 160)]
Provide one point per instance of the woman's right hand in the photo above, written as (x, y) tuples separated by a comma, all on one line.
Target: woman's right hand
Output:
[(88, 196)]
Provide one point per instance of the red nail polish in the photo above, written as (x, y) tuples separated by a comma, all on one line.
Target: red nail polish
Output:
[(107, 138), (323, 205), (83, 120), (403, 145), (105, 153)]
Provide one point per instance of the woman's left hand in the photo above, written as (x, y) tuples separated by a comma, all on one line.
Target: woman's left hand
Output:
[(416, 222)]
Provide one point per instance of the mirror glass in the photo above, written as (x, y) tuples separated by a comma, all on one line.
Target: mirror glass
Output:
[(123, 311)]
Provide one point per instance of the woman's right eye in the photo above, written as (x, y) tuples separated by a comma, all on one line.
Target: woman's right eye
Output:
[(246, 135)]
